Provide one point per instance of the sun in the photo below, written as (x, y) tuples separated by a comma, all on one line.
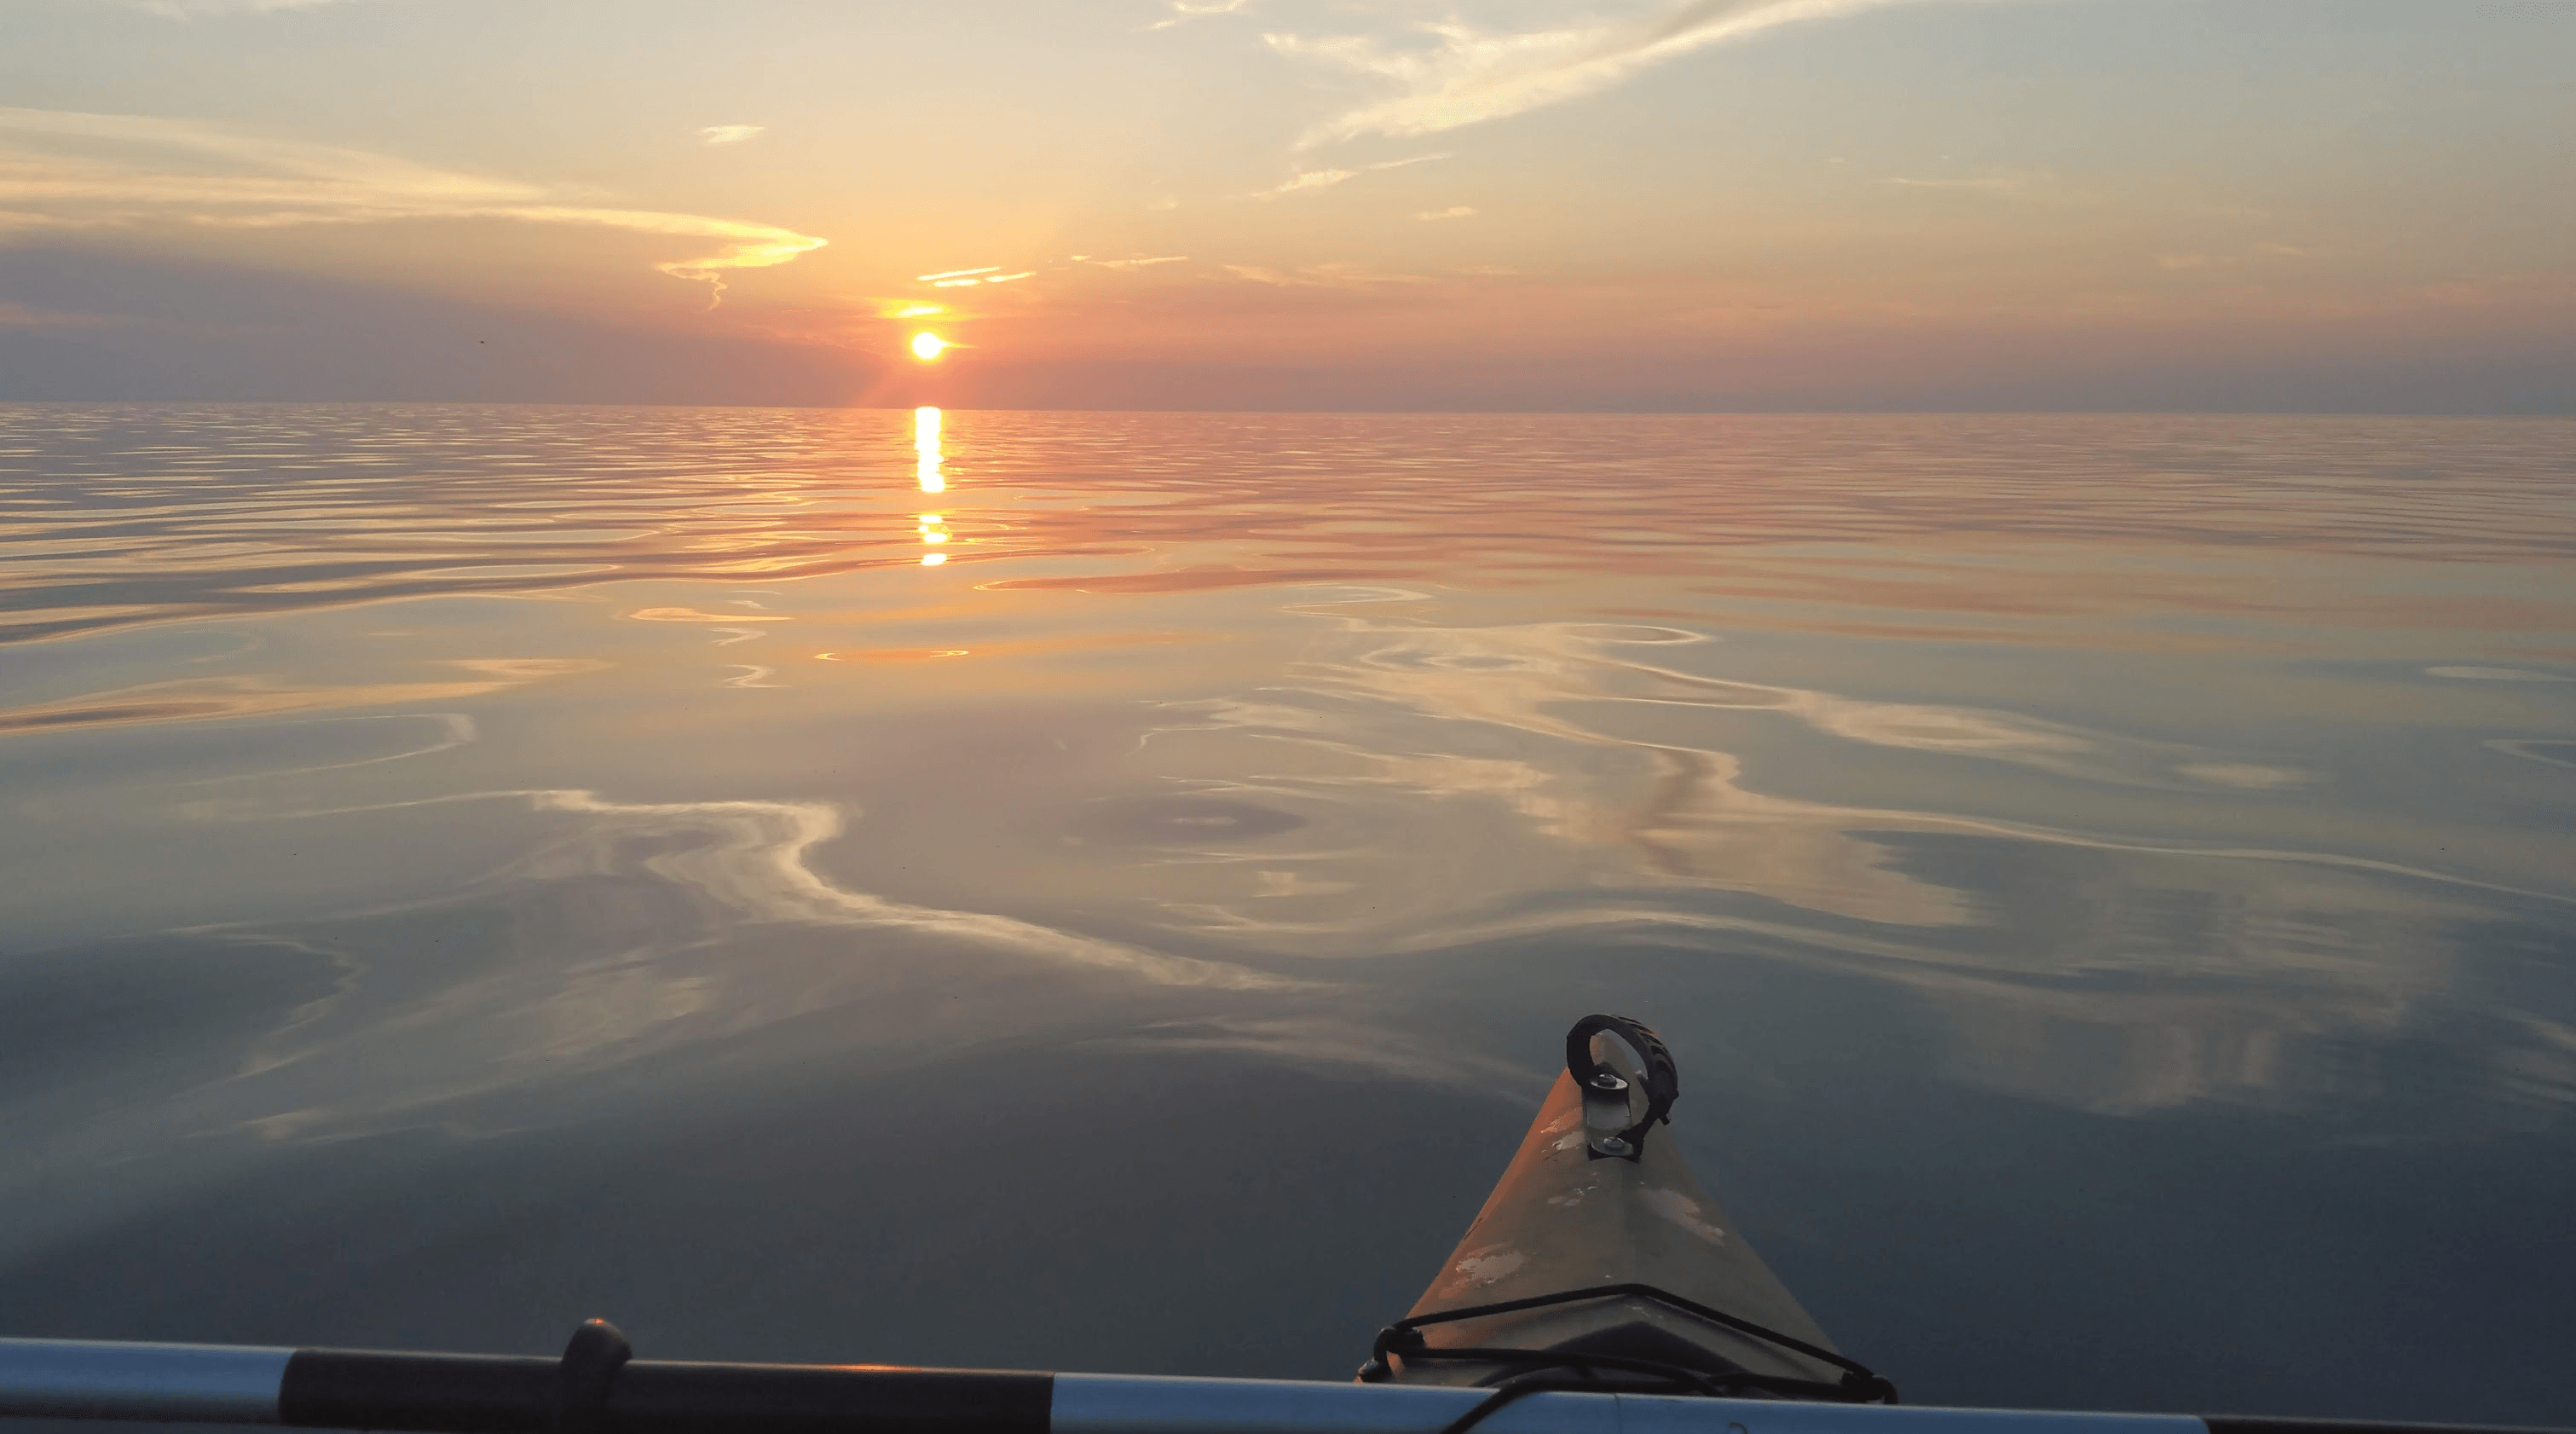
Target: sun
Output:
[(927, 346)]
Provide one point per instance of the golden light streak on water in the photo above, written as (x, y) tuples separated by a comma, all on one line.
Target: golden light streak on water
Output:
[(925, 442)]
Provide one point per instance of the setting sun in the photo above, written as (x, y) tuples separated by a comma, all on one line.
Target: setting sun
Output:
[(928, 346)]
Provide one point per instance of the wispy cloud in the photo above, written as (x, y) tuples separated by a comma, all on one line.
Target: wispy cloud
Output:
[(972, 278), (15, 315), (2186, 262), (1132, 263), (2006, 185), (1306, 182), (1310, 180), (20, 221), (1465, 75), (1320, 276), (1455, 211), (1194, 9), (2183, 263), (730, 133), (138, 171)]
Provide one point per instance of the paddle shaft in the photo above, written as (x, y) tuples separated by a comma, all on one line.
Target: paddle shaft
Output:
[(502, 1394)]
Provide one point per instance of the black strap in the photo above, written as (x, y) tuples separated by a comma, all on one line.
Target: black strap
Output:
[(1663, 1080), (1403, 1339), (1521, 1386), (590, 1361)]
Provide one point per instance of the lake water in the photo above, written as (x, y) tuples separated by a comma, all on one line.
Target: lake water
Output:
[(1105, 891)]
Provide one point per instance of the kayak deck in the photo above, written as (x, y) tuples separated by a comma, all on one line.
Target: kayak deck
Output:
[(1593, 1199)]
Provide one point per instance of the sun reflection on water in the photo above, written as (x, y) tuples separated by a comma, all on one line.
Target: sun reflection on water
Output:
[(925, 442)]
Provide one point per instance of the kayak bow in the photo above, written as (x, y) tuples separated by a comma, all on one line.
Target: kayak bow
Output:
[(1600, 1263)]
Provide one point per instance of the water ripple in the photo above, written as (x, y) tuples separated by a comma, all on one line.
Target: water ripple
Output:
[(114, 515)]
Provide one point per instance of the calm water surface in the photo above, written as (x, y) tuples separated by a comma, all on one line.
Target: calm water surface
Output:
[(1103, 891)]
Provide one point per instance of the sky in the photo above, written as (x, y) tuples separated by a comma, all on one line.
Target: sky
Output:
[(2266, 205)]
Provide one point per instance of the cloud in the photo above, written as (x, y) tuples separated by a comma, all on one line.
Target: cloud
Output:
[(1468, 76), (19, 221), (100, 171), (1193, 9), (15, 315), (1132, 263), (972, 276), (2180, 262), (1308, 181), (746, 245), (1455, 211), (730, 133), (2008, 185), (1319, 276)]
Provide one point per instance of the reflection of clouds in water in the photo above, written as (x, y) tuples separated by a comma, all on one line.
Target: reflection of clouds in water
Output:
[(690, 614), (644, 929), (2158, 981), (221, 698), (1679, 808), (2242, 774), (454, 729), (1704, 827), (2548, 751), (1555, 663), (751, 857), (2141, 973), (1343, 1046), (2284, 1049), (2495, 674), (256, 695)]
